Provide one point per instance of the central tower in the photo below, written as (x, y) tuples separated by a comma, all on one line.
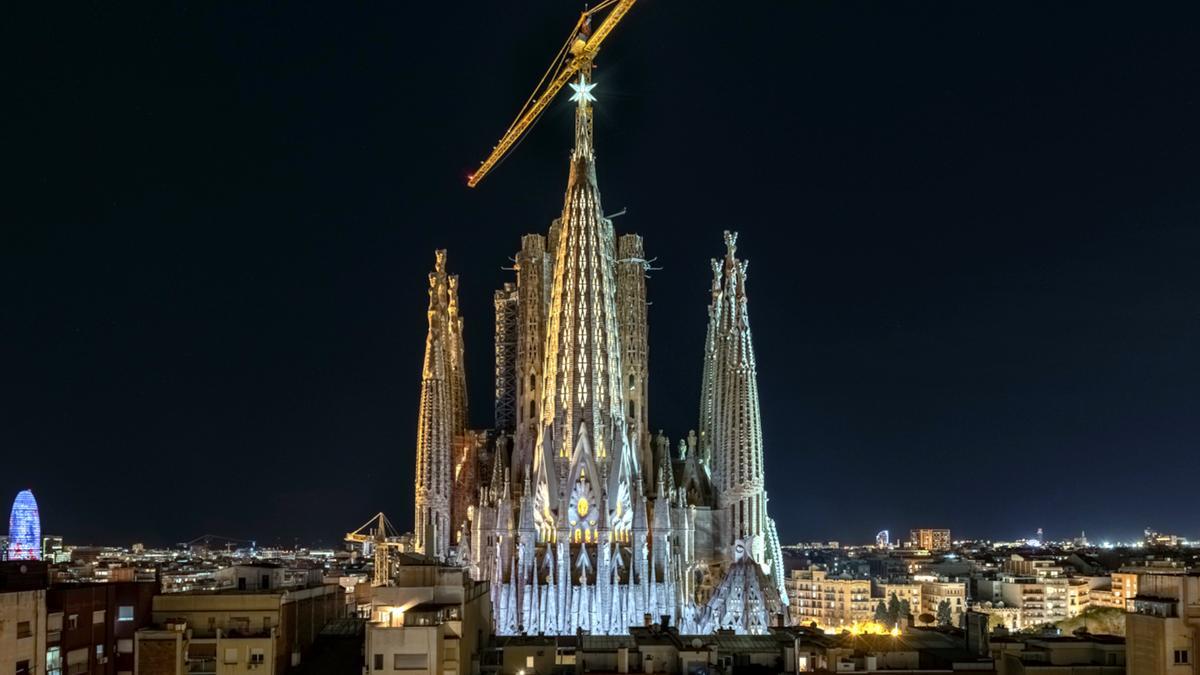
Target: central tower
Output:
[(582, 433)]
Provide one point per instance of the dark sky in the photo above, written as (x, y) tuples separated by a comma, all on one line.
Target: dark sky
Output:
[(973, 235)]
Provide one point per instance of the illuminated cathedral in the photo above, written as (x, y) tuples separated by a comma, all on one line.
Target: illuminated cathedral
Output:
[(578, 516)]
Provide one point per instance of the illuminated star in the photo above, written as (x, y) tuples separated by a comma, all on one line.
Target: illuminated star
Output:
[(583, 90)]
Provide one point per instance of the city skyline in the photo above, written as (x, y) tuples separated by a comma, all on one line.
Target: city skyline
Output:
[(25, 499), (973, 280)]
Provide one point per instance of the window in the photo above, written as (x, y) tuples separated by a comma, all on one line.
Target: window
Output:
[(77, 660), (54, 661), (257, 656), (528, 661), (1181, 657), (97, 617), (72, 622), (378, 665), (410, 662), (23, 630), (125, 646), (23, 668), (240, 624), (231, 655), (125, 613)]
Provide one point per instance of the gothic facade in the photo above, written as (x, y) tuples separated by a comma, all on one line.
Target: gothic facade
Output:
[(578, 515)]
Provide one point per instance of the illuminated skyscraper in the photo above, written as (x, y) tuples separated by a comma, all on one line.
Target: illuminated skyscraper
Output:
[(24, 529), (883, 539)]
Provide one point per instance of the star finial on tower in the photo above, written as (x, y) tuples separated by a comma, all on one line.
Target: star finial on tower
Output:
[(583, 90)]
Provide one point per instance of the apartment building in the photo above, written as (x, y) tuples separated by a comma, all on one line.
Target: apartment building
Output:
[(23, 617), (954, 593), (91, 626), (235, 632), (432, 620), (930, 539), (1162, 628), (830, 602)]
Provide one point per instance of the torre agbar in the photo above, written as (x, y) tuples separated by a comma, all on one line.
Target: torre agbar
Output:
[(575, 513)]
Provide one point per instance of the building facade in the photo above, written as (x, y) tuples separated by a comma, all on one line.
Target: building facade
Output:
[(1041, 600), (1162, 627), (952, 593), (1124, 588), (433, 620), (930, 539), (829, 602), (92, 626), (234, 632), (24, 624), (909, 592)]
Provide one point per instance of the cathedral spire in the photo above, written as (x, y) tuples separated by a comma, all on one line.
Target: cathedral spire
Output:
[(709, 374), (583, 121), (434, 422), (582, 388), (736, 424)]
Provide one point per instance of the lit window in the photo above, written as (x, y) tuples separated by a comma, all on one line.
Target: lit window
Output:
[(125, 613), (98, 616)]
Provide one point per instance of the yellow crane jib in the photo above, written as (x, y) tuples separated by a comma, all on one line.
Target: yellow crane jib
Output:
[(382, 536), (576, 55)]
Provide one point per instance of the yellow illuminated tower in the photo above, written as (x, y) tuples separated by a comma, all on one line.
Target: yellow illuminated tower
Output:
[(436, 422)]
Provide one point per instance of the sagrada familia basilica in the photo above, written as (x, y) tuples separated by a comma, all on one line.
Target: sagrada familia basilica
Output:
[(578, 516)]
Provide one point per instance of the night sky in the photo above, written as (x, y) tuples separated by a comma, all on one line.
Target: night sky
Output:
[(973, 235)]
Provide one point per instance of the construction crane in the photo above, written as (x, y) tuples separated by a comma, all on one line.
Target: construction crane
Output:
[(204, 543), (378, 532), (576, 56)]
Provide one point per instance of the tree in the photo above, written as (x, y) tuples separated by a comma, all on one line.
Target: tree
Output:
[(943, 613), (926, 618), (881, 613), (905, 610), (893, 610)]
